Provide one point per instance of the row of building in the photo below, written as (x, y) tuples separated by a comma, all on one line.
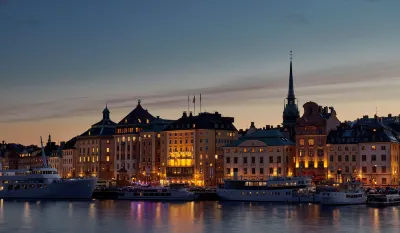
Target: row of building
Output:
[(206, 148)]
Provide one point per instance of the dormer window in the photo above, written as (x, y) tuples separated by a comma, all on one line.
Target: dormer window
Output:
[(139, 120), (147, 121), (126, 121)]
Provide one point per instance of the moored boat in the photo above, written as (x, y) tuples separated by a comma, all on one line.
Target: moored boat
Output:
[(349, 193), (383, 200), (175, 192), (276, 189)]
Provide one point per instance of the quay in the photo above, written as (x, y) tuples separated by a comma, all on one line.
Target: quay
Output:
[(113, 195)]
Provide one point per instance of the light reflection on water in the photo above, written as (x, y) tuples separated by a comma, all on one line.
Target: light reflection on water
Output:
[(196, 217)]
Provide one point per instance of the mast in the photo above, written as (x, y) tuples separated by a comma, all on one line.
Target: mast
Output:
[(43, 154)]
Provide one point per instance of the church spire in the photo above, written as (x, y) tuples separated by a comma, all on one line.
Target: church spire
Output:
[(106, 113), (291, 97)]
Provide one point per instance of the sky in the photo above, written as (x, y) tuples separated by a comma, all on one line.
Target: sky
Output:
[(62, 61)]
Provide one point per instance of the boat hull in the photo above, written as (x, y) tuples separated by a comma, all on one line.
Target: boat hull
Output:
[(343, 199), (166, 196), (67, 189), (279, 195)]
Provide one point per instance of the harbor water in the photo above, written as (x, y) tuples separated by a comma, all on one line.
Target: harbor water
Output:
[(184, 217)]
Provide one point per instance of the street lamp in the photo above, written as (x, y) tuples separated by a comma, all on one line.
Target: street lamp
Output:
[(215, 171)]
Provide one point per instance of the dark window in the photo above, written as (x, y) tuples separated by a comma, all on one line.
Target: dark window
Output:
[(235, 160), (245, 171), (228, 159), (253, 159), (383, 147), (383, 169), (383, 157), (364, 158), (353, 158), (261, 159), (311, 153), (279, 171), (279, 159), (339, 158), (320, 164), (271, 171), (253, 170), (364, 169), (271, 159), (346, 169), (310, 164), (373, 169), (331, 158), (373, 157), (346, 158), (228, 171), (244, 159), (261, 171)]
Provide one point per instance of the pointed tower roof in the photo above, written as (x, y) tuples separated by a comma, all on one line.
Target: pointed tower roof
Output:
[(138, 115), (291, 86)]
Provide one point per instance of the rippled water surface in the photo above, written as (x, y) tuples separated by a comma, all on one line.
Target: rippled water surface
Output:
[(188, 217)]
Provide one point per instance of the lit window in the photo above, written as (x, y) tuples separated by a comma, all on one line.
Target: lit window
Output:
[(123, 139), (93, 149), (311, 142), (92, 159), (147, 121), (301, 142), (129, 139), (108, 149), (158, 135), (139, 120), (97, 149), (97, 158), (117, 139), (373, 147), (108, 158), (108, 141)]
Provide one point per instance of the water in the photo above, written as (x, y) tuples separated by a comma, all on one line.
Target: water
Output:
[(191, 217)]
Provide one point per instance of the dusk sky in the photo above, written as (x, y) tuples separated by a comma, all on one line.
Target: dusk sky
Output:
[(61, 61)]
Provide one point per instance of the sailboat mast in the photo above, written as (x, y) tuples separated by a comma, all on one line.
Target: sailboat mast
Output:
[(43, 154)]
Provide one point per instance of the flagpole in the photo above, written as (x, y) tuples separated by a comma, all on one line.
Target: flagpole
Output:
[(200, 102), (188, 104), (194, 104)]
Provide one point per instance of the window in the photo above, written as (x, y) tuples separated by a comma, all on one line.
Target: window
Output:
[(383, 157), (108, 158), (346, 158), (271, 171), (301, 142), (108, 149), (228, 159), (228, 171), (279, 159), (244, 159), (270, 149), (261, 159), (383, 169), (364, 169), (373, 157), (311, 153), (235, 160), (245, 171), (320, 152), (331, 158), (346, 148), (253, 160), (311, 142), (383, 180), (346, 169), (108, 141), (310, 164), (279, 170), (339, 158), (253, 170), (363, 148), (373, 147), (261, 171), (320, 164), (364, 158), (383, 147), (353, 158), (373, 169), (301, 152), (271, 159)]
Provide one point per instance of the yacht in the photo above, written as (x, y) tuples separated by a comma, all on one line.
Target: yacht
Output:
[(382, 200), (276, 189), (348, 193), (175, 192), (43, 183)]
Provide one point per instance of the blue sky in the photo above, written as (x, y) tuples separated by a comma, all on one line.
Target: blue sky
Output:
[(61, 61)]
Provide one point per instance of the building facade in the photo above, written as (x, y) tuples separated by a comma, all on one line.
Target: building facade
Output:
[(311, 134), (150, 150), (192, 148), (95, 149), (259, 155), (127, 143), (68, 162)]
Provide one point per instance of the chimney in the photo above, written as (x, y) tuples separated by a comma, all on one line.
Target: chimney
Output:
[(184, 115), (319, 109), (252, 124), (326, 109), (190, 114), (389, 115), (267, 127), (365, 117)]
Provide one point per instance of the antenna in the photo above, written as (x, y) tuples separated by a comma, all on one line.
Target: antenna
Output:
[(290, 55), (43, 154)]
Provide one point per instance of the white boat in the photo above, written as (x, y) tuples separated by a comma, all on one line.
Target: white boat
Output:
[(175, 192), (349, 193), (43, 183), (382, 200), (277, 189)]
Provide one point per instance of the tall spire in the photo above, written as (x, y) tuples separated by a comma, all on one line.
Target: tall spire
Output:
[(106, 113), (291, 97)]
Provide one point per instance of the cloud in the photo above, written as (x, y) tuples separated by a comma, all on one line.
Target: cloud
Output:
[(243, 89), (296, 19)]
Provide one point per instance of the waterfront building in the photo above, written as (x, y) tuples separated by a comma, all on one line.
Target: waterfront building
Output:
[(192, 148), (127, 143), (259, 155), (30, 158), (9, 154), (95, 149), (311, 133), (150, 150), (69, 156), (290, 112)]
